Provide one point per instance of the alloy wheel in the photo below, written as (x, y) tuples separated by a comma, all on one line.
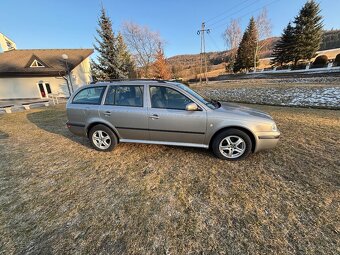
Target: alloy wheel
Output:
[(232, 146), (101, 139)]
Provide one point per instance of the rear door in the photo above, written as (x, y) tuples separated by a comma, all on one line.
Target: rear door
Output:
[(168, 119), (124, 108)]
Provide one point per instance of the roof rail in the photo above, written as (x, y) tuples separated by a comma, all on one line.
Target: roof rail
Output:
[(113, 80)]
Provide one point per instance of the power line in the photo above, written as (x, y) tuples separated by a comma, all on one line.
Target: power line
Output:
[(214, 42), (226, 11), (245, 7), (249, 12)]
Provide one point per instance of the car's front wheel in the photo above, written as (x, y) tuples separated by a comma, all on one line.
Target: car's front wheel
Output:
[(232, 144), (102, 138)]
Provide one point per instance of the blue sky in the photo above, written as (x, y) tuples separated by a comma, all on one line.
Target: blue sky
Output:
[(72, 23)]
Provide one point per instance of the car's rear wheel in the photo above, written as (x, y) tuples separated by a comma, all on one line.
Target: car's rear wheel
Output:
[(232, 144), (102, 138)]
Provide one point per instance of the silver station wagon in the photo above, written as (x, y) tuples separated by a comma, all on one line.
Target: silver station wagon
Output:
[(168, 113)]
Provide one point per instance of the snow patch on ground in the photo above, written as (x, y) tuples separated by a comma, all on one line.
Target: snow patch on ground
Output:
[(327, 97)]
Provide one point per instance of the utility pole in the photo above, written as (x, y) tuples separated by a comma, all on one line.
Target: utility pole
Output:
[(203, 56)]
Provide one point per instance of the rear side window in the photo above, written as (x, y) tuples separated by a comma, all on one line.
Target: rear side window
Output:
[(91, 95), (129, 95)]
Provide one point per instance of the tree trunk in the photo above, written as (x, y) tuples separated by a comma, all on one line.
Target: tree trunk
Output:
[(255, 55)]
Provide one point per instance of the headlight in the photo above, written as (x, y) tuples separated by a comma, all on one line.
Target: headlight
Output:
[(274, 127)]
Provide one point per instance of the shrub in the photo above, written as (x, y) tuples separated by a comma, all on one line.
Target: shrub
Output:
[(299, 66), (320, 61), (337, 60), (268, 69), (285, 67), (186, 83)]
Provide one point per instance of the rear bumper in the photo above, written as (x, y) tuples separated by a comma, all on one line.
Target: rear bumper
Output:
[(77, 129), (266, 140)]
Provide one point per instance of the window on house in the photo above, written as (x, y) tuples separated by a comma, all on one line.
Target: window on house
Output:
[(48, 88), (36, 63)]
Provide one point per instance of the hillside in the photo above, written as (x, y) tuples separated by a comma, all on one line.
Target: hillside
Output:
[(185, 64), (188, 66)]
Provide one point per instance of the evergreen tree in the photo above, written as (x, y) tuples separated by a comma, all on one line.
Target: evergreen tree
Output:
[(95, 72), (283, 50), (161, 68), (126, 68), (114, 60), (246, 51), (107, 65), (308, 31)]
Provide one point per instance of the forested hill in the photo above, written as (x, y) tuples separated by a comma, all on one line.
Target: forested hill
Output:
[(330, 40)]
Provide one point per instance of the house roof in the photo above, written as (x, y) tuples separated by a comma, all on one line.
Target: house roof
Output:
[(16, 63)]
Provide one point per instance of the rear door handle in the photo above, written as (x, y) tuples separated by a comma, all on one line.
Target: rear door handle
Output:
[(154, 116), (107, 113)]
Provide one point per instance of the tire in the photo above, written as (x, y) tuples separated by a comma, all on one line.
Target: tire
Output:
[(102, 138), (235, 145)]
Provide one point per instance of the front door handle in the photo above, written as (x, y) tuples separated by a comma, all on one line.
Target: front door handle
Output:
[(107, 113), (154, 117)]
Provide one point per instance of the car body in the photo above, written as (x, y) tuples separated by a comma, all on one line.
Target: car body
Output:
[(169, 113)]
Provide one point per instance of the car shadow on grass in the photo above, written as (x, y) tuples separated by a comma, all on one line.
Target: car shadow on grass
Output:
[(55, 122)]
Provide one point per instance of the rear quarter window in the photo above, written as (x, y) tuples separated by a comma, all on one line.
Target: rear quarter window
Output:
[(91, 95)]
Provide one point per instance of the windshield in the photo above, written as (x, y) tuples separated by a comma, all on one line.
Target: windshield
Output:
[(212, 104)]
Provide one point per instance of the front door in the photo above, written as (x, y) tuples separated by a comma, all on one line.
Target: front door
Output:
[(124, 109), (170, 122), (42, 90), (48, 88)]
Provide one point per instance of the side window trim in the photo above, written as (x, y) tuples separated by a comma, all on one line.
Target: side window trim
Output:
[(116, 86), (172, 89), (102, 101), (100, 98)]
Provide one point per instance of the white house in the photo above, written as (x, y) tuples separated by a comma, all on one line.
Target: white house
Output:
[(36, 73)]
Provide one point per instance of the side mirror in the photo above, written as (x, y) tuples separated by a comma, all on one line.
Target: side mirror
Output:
[(191, 107)]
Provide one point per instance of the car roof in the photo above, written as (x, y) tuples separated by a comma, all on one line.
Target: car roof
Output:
[(134, 82)]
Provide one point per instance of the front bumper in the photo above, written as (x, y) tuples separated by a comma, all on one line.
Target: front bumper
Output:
[(266, 140)]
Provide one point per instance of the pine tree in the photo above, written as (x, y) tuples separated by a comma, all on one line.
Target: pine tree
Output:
[(308, 31), (126, 67), (160, 66), (95, 72), (283, 50), (107, 65), (246, 51)]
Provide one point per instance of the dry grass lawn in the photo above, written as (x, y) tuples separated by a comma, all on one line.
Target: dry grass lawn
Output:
[(59, 196)]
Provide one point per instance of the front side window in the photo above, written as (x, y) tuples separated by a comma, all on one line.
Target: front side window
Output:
[(212, 104), (168, 98), (91, 95), (128, 95)]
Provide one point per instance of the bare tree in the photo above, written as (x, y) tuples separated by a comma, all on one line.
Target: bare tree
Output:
[(232, 37), (143, 43), (264, 30)]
